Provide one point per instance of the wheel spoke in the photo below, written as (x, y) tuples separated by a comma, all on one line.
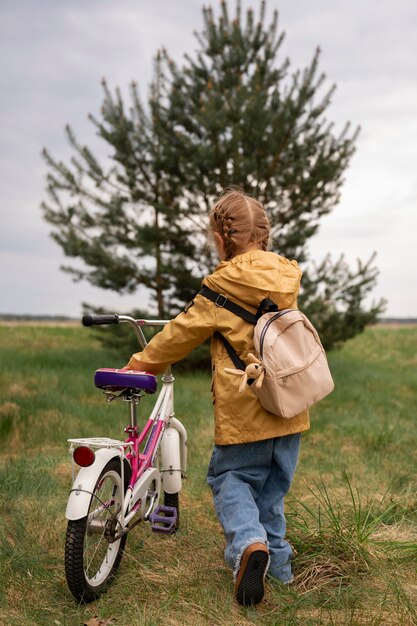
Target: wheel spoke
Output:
[(103, 507), (99, 551), (92, 555)]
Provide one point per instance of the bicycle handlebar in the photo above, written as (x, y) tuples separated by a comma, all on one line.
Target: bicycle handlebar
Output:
[(99, 320)]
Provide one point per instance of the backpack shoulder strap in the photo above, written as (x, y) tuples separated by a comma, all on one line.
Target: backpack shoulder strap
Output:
[(266, 306), (233, 355), (223, 302)]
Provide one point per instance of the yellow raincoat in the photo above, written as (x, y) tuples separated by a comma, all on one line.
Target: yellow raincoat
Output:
[(246, 279)]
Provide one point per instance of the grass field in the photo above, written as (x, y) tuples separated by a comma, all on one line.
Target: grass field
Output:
[(352, 511)]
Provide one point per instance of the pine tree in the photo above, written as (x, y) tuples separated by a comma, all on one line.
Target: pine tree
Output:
[(242, 118), (121, 220), (231, 114), (333, 297)]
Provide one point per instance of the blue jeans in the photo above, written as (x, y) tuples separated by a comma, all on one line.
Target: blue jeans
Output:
[(249, 482)]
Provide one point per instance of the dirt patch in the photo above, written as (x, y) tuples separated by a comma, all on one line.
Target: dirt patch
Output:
[(9, 409), (20, 390), (396, 533)]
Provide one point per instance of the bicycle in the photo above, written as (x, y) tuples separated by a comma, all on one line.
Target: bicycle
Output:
[(120, 482)]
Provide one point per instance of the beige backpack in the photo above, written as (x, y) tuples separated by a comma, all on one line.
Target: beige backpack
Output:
[(296, 373)]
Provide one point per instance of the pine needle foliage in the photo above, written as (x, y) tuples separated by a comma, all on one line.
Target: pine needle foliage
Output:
[(232, 113)]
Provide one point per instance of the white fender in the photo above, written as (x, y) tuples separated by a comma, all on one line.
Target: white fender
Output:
[(175, 423), (171, 461), (84, 483)]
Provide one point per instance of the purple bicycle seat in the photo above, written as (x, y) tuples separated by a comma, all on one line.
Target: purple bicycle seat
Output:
[(117, 380)]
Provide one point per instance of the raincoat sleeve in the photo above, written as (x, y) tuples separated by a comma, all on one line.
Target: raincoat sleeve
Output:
[(178, 337)]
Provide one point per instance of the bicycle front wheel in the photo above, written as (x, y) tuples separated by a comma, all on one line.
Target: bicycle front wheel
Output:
[(92, 554)]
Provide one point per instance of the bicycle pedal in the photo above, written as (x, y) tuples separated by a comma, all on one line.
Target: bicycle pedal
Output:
[(163, 519)]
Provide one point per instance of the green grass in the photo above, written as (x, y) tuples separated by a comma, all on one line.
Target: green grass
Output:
[(352, 511)]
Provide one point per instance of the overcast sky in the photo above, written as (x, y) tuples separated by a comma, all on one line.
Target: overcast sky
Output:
[(54, 54)]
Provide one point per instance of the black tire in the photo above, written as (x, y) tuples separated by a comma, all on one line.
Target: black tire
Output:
[(172, 499), (89, 579)]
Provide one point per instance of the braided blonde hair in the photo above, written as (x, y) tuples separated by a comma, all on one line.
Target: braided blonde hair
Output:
[(240, 221)]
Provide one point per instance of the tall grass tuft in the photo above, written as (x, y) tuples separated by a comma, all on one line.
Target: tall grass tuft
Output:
[(336, 540)]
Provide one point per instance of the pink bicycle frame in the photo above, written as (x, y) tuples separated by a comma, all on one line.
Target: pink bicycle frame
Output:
[(142, 463)]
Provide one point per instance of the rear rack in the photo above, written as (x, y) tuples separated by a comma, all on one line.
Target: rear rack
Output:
[(99, 442)]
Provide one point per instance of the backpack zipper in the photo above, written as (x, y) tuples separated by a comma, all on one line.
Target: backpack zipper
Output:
[(265, 328)]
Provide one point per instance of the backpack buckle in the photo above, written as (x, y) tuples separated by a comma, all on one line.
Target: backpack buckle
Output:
[(220, 303)]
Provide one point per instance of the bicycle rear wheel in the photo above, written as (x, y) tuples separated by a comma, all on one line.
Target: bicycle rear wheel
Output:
[(92, 555)]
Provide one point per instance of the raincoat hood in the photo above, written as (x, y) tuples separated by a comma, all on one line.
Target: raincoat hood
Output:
[(254, 275)]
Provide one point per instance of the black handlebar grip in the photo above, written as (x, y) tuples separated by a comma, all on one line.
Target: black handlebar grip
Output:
[(99, 320)]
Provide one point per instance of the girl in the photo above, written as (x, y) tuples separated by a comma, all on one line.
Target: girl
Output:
[(255, 452)]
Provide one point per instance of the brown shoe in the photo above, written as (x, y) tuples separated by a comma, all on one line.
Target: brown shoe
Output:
[(249, 587)]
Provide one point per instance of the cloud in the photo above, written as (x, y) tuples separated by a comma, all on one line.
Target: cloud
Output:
[(54, 55)]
